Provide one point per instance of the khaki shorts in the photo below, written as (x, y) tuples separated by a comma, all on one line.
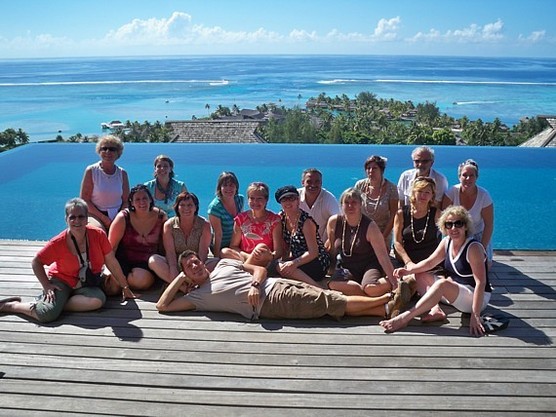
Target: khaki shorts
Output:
[(290, 299)]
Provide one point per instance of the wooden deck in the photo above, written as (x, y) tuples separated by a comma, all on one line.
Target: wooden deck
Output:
[(131, 360)]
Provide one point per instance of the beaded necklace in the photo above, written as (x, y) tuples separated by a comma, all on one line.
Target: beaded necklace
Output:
[(424, 231), (352, 239), (368, 197)]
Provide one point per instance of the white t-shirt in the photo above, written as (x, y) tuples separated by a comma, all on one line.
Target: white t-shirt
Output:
[(325, 206), (483, 200)]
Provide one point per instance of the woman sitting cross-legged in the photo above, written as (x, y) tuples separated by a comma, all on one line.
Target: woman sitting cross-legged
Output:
[(78, 248), (136, 235), (364, 265), (185, 231), (257, 236), (466, 285), (306, 259)]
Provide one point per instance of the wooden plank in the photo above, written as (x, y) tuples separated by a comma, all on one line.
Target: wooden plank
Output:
[(140, 362), (125, 397)]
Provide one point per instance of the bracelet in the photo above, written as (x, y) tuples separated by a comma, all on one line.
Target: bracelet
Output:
[(255, 284)]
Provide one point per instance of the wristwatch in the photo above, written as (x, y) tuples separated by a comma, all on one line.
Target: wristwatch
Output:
[(255, 284)]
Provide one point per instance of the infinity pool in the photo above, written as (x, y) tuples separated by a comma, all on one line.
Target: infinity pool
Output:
[(37, 179)]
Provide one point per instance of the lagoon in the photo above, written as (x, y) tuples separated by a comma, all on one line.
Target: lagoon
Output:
[(37, 179)]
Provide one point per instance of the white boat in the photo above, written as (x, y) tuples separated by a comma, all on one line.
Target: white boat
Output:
[(114, 124)]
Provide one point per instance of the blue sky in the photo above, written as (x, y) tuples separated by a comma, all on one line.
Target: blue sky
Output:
[(66, 28)]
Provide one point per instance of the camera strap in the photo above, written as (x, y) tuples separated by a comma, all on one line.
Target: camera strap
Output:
[(78, 251)]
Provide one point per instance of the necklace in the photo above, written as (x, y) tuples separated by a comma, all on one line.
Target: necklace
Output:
[(259, 219), (353, 238), (368, 195), (293, 224), (424, 231), (167, 192)]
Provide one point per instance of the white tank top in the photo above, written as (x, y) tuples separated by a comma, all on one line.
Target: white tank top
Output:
[(107, 190)]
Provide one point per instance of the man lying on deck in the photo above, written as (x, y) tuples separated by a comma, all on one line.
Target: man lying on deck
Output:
[(235, 287)]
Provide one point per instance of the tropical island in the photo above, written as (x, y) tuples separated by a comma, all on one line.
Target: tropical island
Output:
[(364, 119)]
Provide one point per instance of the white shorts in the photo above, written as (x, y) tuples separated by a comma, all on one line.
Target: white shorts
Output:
[(464, 300)]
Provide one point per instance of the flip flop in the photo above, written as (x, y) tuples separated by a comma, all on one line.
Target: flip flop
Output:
[(494, 323)]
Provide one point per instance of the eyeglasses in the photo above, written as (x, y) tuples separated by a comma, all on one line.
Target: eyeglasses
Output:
[(422, 161), (108, 149), (73, 217), (458, 224)]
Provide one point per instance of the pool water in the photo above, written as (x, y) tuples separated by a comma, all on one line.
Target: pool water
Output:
[(37, 179)]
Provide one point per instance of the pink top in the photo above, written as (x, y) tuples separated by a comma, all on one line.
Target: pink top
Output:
[(255, 232), (135, 248)]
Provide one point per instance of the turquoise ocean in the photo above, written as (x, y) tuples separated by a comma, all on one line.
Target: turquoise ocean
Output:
[(44, 97), (47, 96)]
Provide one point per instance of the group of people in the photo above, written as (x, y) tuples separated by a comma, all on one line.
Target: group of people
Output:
[(315, 257)]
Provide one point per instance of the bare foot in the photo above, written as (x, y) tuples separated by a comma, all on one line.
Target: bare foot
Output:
[(436, 314), (397, 323)]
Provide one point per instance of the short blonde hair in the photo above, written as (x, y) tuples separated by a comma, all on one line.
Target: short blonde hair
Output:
[(111, 141), (457, 211), (260, 187), (351, 194)]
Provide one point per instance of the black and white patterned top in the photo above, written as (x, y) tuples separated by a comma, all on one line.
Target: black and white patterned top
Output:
[(296, 240)]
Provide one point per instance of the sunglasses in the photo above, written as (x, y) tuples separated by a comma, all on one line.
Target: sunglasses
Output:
[(458, 224), (108, 149), (288, 198), (73, 217)]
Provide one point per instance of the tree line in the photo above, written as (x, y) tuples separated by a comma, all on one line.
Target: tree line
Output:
[(369, 120), (337, 120)]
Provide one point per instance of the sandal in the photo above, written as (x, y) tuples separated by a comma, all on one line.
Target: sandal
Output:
[(493, 323)]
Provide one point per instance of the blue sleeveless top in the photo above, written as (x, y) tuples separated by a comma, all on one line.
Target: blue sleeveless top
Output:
[(458, 267)]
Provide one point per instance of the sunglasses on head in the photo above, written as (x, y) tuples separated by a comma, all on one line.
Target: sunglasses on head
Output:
[(108, 149), (458, 224)]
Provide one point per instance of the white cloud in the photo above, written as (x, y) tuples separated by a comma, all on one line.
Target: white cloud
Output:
[(534, 37), (491, 32), (386, 29), (153, 30), (301, 35), (35, 42), (178, 30)]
